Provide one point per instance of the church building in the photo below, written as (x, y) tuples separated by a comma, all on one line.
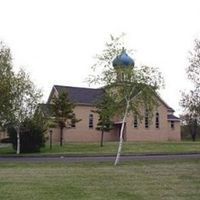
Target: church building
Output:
[(163, 126)]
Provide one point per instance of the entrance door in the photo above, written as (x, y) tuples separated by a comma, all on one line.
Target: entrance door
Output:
[(118, 129)]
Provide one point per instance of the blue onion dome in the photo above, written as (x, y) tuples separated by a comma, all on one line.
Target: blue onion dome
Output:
[(123, 60)]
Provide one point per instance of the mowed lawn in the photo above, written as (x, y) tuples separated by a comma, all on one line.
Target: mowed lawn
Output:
[(111, 148), (150, 180), (128, 148)]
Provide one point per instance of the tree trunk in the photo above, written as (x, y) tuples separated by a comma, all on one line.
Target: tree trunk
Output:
[(121, 134), (193, 137), (61, 136), (18, 139), (102, 134)]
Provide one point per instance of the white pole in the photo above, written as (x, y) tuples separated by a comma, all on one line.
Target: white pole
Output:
[(18, 139)]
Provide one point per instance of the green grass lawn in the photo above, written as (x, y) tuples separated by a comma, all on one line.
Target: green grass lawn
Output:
[(128, 148), (146, 180), (111, 148)]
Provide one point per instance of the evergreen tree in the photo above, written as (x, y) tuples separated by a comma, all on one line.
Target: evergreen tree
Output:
[(105, 110), (62, 109)]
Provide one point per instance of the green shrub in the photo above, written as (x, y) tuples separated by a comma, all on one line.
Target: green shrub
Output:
[(32, 136)]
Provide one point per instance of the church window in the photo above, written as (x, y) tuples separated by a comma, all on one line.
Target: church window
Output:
[(146, 119), (157, 120), (172, 125), (91, 121), (135, 122), (73, 123)]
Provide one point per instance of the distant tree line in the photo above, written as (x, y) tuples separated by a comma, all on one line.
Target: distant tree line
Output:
[(191, 100)]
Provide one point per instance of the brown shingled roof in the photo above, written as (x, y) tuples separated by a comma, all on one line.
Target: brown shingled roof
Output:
[(81, 95)]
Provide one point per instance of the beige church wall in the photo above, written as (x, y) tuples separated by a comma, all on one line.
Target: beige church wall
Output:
[(82, 132), (55, 134), (77, 135), (152, 135), (174, 134), (163, 133), (86, 136), (3, 135)]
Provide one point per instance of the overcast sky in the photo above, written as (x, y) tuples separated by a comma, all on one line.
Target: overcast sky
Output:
[(55, 41)]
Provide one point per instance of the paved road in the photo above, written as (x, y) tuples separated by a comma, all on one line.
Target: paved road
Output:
[(76, 159)]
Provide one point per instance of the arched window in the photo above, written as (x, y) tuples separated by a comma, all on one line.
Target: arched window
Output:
[(135, 122), (146, 119), (90, 120), (157, 120), (73, 122)]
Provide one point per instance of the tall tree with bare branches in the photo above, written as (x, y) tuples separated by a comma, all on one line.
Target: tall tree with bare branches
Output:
[(130, 87)]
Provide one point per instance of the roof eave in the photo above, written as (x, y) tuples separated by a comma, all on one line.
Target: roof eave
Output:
[(177, 120), (51, 93), (84, 104)]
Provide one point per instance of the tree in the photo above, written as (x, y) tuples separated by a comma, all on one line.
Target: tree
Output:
[(193, 70), (6, 77), (62, 109), (131, 88), (190, 126), (19, 96), (105, 110), (191, 100), (191, 117), (25, 101)]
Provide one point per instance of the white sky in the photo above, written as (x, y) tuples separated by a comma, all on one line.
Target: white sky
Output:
[(56, 40)]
